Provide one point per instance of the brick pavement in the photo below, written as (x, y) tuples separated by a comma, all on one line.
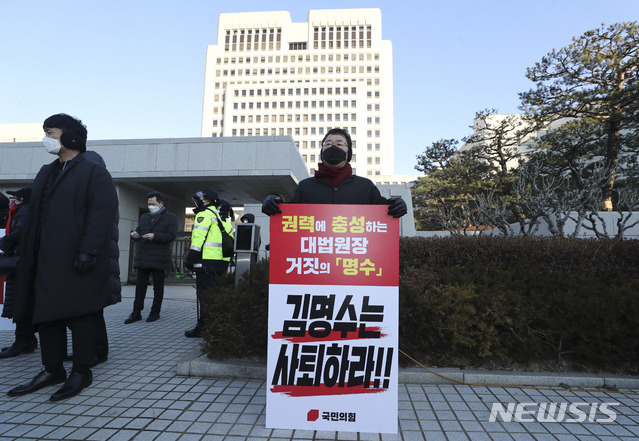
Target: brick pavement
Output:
[(137, 395)]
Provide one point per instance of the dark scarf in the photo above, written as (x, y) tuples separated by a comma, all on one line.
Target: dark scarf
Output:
[(159, 212), (333, 175)]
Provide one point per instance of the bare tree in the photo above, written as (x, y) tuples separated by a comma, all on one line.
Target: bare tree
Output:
[(626, 219)]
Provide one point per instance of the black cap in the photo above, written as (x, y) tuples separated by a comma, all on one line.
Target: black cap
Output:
[(210, 194), (207, 193), (224, 205), (23, 193), (248, 218)]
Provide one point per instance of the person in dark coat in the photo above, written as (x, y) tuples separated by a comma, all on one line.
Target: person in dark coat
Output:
[(334, 181), (63, 276), (25, 339), (154, 234), (101, 336)]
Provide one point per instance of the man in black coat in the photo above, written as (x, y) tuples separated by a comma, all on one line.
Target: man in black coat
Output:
[(154, 234), (63, 276)]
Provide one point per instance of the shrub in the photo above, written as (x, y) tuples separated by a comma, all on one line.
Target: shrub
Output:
[(237, 316), (483, 302)]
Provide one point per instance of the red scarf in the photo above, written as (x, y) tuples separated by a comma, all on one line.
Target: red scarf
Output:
[(333, 175), (11, 213)]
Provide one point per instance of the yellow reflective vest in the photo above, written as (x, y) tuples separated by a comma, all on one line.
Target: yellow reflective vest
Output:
[(207, 237)]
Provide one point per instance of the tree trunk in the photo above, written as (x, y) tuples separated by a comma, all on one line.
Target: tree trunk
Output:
[(612, 158)]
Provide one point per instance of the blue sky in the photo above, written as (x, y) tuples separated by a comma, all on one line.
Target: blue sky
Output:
[(135, 69)]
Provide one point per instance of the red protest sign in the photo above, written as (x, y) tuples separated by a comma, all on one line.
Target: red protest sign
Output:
[(334, 244)]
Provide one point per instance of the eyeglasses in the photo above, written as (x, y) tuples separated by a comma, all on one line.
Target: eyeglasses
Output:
[(336, 144)]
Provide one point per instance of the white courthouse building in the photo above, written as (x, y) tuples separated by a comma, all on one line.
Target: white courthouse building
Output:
[(268, 76), (272, 90)]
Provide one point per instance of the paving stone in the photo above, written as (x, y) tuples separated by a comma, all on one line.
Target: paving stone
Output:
[(137, 395)]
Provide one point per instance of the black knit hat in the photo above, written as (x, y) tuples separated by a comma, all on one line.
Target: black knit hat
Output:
[(23, 193)]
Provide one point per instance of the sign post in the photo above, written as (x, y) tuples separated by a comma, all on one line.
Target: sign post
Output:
[(333, 319)]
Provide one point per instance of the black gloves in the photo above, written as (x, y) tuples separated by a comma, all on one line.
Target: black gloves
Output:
[(84, 263), (397, 207), (191, 258), (271, 204)]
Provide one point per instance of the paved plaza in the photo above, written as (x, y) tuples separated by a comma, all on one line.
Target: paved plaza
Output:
[(137, 395)]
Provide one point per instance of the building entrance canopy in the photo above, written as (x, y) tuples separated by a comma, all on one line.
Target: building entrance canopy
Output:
[(241, 170)]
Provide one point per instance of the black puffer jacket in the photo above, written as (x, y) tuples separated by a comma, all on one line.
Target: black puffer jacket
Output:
[(114, 236), (9, 245), (156, 253), (74, 213), (352, 190)]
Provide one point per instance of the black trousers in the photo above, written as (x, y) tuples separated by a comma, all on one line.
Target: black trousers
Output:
[(25, 331), (101, 337), (140, 289), (53, 342)]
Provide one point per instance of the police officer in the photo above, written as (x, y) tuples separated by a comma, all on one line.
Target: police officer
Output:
[(206, 249), (227, 215)]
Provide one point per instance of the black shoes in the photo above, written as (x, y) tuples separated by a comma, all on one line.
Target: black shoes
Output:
[(43, 379), (134, 317), (195, 332), (73, 386), (17, 348), (34, 343)]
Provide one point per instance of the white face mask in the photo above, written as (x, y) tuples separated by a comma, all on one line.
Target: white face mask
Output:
[(52, 145), (154, 209)]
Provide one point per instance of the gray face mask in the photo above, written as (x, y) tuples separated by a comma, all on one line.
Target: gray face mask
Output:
[(333, 155), (51, 145)]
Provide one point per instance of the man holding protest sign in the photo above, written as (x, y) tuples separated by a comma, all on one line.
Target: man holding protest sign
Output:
[(333, 301)]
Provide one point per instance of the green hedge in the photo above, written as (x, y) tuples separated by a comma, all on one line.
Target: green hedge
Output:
[(497, 302)]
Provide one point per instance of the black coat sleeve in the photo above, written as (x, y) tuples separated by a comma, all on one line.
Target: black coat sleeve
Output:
[(9, 243), (101, 213)]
